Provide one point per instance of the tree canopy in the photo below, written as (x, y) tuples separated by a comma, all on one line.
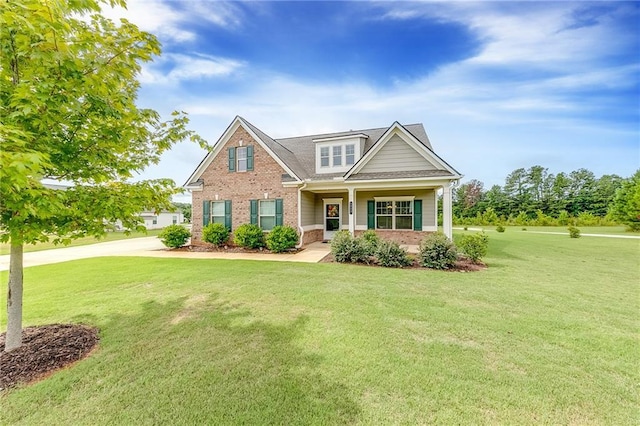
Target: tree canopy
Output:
[(532, 192), (626, 205), (68, 89)]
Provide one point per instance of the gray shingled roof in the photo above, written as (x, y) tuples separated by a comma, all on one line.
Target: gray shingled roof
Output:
[(299, 152)]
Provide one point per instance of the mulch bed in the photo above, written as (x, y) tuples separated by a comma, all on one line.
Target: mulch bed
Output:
[(204, 248), (45, 349)]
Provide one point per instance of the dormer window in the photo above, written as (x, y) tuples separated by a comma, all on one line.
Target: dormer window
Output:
[(338, 154), (324, 156), (350, 154)]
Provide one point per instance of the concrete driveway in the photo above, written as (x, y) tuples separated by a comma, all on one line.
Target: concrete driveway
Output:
[(153, 247), (129, 247)]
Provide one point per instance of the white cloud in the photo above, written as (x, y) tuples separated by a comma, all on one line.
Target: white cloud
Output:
[(170, 23), (153, 16), (173, 68), (484, 125)]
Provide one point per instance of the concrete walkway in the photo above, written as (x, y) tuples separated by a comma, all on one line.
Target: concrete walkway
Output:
[(153, 247)]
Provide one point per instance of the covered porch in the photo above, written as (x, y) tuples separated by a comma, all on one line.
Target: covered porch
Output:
[(404, 212)]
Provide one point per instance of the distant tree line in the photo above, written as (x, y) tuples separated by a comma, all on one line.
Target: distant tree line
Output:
[(535, 196)]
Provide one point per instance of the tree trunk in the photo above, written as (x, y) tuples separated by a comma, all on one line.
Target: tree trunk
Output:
[(13, 338)]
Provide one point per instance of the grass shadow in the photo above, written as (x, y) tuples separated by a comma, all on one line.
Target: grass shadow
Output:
[(197, 360)]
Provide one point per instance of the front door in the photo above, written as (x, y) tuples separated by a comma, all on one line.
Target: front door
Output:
[(332, 217)]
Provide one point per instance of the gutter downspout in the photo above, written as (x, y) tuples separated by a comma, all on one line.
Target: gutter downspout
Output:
[(299, 245)]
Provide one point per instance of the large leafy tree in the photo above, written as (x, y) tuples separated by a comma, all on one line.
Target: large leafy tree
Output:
[(68, 86), (626, 204)]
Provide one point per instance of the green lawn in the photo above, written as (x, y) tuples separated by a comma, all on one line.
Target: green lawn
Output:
[(111, 236), (547, 335), (607, 230)]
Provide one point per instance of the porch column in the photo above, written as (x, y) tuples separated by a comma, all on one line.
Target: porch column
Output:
[(447, 219), (351, 206)]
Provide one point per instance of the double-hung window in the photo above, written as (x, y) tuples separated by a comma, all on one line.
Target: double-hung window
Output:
[(394, 214), (240, 158), (350, 154), (337, 155), (217, 212), (324, 156), (241, 153), (267, 214)]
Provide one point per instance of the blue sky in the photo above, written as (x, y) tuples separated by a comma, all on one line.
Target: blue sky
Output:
[(497, 85)]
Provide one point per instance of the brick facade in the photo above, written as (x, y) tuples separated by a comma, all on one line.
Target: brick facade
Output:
[(240, 187), (312, 236), (401, 237)]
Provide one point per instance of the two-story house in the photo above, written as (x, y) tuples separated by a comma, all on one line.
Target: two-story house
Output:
[(386, 179)]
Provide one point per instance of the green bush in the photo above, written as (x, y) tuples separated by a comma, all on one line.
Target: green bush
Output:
[(215, 233), (563, 218), (174, 236), (574, 232), (370, 240), (248, 236), (391, 255), (346, 249), (474, 245), (281, 238), (500, 228), (437, 251), (521, 219)]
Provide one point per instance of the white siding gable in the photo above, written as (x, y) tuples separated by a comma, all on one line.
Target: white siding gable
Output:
[(397, 155)]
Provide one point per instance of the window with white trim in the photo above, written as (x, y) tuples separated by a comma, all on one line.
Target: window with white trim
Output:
[(324, 156), (217, 212), (337, 155), (241, 154), (394, 214), (349, 154), (267, 214)]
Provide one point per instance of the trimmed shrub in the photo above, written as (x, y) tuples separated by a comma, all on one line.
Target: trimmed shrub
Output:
[(248, 236), (281, 238), (174, 236), (474, 245), (437, 251), (370, 240), (391, 255), (215, 233), (574, 232), (346, 249), (500, 228)]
